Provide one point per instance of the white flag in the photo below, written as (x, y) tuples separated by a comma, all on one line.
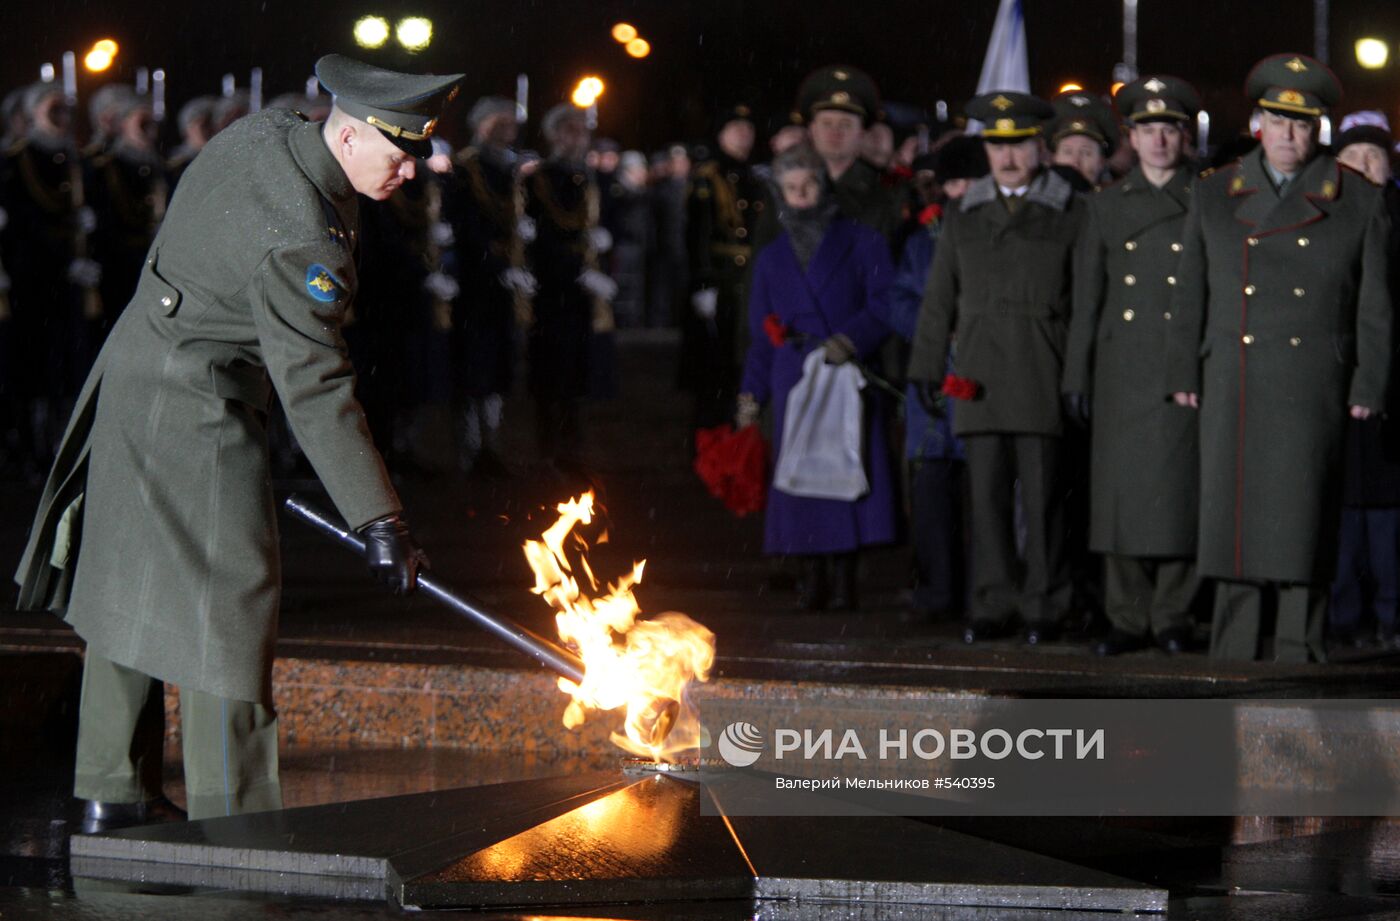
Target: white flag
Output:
[(1005, 67)]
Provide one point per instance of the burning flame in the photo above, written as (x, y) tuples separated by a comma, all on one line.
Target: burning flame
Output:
[(642, 665)]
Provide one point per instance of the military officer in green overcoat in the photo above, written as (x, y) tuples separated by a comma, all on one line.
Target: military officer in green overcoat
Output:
[(156, 536), (1084, 136), (1000, 284), (1281, 328), (1143, 454)]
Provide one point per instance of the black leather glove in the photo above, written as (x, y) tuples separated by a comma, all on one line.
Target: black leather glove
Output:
[(393, 556), (931, 397), (1076, 407)]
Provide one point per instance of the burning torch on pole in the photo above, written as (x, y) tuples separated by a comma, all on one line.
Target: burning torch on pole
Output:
[(654, 722)]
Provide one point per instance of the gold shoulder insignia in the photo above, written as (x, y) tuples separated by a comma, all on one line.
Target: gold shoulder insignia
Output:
[(1329, 189), (1236, 184)]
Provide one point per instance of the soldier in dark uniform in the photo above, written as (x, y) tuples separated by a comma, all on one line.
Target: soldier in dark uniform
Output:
[(1144, 451), (1281, 329), (128, 192), (54, 281), (105, 107), (1084, 136), (1000, 284), (722, 211), (196, 123), (483, 205), (572, 303), (156, 534)]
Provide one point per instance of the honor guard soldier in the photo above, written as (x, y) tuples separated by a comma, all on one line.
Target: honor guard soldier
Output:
[(196, 123), (156, 535), (573, 300), (1000, 284), (1281, 328), (484, 206), (1084, 136), (724, 205), (1144, 457), (128, 191), (108, 102), (54, 281)]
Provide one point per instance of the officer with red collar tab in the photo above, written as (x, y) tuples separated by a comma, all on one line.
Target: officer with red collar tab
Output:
[(1281, 330)]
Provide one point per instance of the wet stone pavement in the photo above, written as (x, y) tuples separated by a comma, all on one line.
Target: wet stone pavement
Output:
[(708, 564)]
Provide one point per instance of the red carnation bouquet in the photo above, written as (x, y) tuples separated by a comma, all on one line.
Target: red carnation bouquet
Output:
[(734, 466), (775, 330), (930, 214), (960, 388)]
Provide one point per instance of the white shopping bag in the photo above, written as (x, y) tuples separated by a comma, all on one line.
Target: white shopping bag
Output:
[(820, 456)]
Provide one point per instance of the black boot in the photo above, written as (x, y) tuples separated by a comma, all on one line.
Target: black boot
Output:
[(843, 582), (814, 584), (99, 816)]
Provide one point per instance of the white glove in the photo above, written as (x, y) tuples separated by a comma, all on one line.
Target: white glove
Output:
[(84, 273), (598, 284), (705, 301), (525, 229), (87, 219), (520, 281), (600, 239), (442, 234), (443, 287)]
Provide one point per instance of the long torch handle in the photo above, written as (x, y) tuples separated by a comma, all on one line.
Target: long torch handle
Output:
[(532, 644)]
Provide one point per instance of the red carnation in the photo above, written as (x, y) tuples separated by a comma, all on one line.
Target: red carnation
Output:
[(960, 388), (930, 214), (775, 330)]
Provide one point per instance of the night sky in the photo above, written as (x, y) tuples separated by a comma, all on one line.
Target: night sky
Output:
[(705, 54)]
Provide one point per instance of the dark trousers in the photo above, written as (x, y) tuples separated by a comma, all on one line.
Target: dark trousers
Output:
[(1036, 584), (1240, 609), (1147, 593), (1367, 579), (936, 533)]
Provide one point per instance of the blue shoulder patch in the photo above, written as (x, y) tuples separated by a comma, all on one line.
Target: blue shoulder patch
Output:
[(321, 284)]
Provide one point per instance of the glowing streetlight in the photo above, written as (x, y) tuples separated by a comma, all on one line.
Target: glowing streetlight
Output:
[(1113, 90), (371, 31), (1071, 87), (106, 45), (587, 91), (415, 33), (97, 61), (623, 33), (1372, 53), (639, 47)]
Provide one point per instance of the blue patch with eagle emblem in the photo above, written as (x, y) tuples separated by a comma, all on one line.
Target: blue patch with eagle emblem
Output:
[(321, 284)]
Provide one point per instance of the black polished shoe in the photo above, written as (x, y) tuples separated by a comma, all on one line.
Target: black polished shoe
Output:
[(1119, 642), (1176, 640), (979, 631), (100, 816), (1040, 634)]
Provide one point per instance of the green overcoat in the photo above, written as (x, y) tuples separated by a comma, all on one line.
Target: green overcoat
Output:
[(1281, 320), (156, 536), (1001, 283), (1144, 456)]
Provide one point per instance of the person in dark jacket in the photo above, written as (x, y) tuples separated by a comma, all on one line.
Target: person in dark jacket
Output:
[(1366, 591), (822, 284), (937, 467)]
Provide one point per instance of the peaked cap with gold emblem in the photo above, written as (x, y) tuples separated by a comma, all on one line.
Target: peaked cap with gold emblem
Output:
[(1158, 98), (1293, 84), (404, 107), (838, 87), (1010, 116), (1085, 113)]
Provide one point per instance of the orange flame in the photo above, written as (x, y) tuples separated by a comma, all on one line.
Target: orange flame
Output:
[(627, 663)]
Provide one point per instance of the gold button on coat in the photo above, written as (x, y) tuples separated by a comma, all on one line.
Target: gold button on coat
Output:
[(1167, 315), (1171, 279), (1247, 339), (1130, 245), (1253, 241), (165, 301), (1129, 279), (1303, 241), (1176, 247), (1249, 289), (1295, 341), (1128, 315), (1298, 292)]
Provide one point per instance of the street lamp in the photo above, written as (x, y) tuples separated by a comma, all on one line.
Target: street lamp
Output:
[(624, 32), (1372, 53), (100, 56), (1070, 87), (371, 31), (415, 33), (587, 91), (639, 47)]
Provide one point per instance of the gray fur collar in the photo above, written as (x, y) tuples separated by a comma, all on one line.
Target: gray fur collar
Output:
[(1048, 188)]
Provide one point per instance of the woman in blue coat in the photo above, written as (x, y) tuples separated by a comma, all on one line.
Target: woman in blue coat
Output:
[(824, 281)]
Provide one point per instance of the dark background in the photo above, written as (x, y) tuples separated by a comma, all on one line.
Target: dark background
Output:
[(705, 54)]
